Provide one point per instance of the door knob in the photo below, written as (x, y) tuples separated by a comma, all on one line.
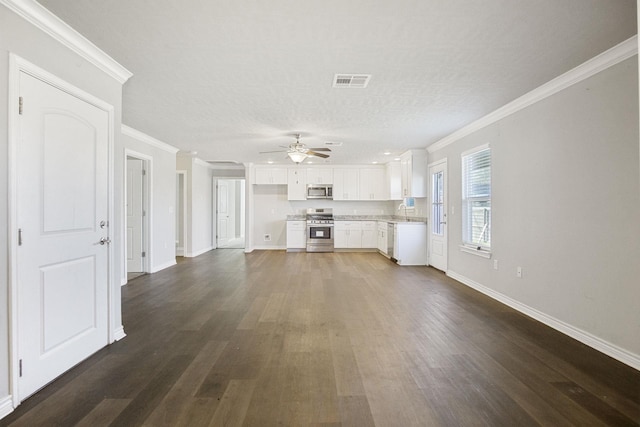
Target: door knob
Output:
[(105, 240)]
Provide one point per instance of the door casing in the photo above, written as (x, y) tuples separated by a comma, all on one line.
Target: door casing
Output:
[(19, 65)]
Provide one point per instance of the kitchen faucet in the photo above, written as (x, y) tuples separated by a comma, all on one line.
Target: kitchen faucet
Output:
[(403, 205)]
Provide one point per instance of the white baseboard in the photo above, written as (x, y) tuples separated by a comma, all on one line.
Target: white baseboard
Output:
[(586, 338), (6, 406), (200, 252), (163, 266), (269, 248), (119, 333)]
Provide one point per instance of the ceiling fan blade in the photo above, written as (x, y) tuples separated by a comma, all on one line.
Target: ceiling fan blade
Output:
[(320, 149), (313, 153), (277, 151)]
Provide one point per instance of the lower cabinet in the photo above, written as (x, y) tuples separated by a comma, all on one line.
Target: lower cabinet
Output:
[(296, 235), (355, 235)]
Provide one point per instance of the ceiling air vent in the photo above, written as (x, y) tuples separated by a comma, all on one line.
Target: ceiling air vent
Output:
[(358, 81)]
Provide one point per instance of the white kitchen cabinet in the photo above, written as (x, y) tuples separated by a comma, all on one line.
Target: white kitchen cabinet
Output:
[(382, 236), (296, 184), (394, 180), (296, 235), (319, 176), (271, 176), (355, 235), (410, 243), (373, 184), (413, 168), (348, 235), (346, 184)]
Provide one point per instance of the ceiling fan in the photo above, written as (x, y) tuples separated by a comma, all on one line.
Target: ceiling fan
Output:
[(298, 152)]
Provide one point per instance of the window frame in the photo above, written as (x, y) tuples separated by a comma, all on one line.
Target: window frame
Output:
[(467, 229)]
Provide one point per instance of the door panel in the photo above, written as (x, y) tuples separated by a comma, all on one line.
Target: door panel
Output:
[(62, 270), (135, 215), (438, 208), (223, 213)]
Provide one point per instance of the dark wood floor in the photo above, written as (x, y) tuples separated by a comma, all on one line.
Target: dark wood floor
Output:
[(342, 339)]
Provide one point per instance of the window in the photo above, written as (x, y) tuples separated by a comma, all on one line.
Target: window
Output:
[(476, 198)]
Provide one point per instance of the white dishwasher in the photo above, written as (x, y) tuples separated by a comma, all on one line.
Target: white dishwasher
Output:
[(409, 243)]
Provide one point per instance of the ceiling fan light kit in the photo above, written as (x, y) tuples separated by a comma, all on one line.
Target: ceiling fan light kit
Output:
[(298, 152), (297, 156)]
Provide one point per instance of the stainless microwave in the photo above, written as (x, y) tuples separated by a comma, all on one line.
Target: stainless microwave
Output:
[(315, 191)]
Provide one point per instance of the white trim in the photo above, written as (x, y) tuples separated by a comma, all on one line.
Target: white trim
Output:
[(269, 248), (599, 63), (437, 162), (584, 337), (119, 334), (157, 268), (474, 150), (147, 207), (46, 21), (200, 252), (201, 162), (16, 66), (474, 251), (6, 406), (143, 137)]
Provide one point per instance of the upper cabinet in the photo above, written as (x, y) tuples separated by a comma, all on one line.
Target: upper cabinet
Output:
[(373, 184), (394, 180), (413, 171), (296, 185), (346, 184), (319, 176), (270, 176)]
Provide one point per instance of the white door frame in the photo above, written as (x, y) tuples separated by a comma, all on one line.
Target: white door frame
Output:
[(18, 65), (147, 203), (429, 202)]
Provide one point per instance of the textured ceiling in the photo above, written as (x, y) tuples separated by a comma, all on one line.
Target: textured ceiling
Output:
[(230, 78)]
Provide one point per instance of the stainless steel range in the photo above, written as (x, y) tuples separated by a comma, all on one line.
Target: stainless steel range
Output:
[(320, 230)]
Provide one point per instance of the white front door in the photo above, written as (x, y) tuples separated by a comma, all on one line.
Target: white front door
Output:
[(135, 213), (438, 210), (224, 226), (62, 214)]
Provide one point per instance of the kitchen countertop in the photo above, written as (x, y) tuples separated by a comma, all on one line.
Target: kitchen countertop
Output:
[(385, 218)]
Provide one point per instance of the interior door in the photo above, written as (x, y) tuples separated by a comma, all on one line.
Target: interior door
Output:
[(438, 208), (224, 229), (62, 214), (135, 213)]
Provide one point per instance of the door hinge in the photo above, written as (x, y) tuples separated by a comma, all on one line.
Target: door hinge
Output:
[(144, 213), (20, 368), (19, 236), (144, 254), (20, 101), (144, 172)]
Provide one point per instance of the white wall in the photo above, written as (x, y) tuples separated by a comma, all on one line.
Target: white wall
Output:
[(20, 37), (566, 208), (199, 215), (162, 197)]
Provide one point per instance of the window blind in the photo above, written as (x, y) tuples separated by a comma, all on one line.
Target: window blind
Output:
[(476, 199)]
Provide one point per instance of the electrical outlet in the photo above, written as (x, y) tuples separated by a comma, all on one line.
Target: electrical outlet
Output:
[(519, 272), (267, 237), (495, 264)]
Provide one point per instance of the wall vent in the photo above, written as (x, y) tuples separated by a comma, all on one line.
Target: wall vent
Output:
[(354, 81)]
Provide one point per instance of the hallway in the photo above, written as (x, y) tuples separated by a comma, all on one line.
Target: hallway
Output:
[(340, 339)]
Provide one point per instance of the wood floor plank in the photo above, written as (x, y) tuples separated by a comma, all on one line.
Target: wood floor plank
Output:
[(104, 413), (272, 338)]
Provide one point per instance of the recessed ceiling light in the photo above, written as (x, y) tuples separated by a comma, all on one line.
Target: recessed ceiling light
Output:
[(375, 163), (270, 162), (386, 153), (397, 159)]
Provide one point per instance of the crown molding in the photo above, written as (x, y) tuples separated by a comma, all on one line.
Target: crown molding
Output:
[(38, 15), (607, 59), (143, 137)]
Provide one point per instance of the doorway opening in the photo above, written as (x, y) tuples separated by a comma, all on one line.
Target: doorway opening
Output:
[(181, 212), (137, 214), (230, 214)]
